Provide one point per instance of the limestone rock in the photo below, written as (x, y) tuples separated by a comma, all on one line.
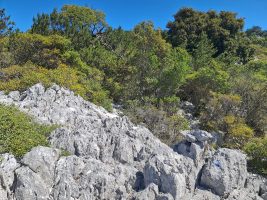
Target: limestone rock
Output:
[(15, 95), (226, 171), (35, 178), (111, 158), (151, 192), (167, 174), (243, 194), (80, 178), (263, 189), (8, 165), (202, 194)]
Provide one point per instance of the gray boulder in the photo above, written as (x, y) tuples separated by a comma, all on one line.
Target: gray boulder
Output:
[(197, 135), (8, 164), (225, 172), (168, 174), (80, 178), (35, 178), (151, 192), (263, 189)]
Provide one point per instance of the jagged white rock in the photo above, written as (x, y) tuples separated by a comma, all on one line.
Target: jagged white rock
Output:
[(111, 158)]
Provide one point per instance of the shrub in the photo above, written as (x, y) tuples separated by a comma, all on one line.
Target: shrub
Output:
[(237, 132), (223, 113), (257, 151), (200, 83), (220, 109), (44, 51), (6, 58), (22, 77), (166, 127), (252, 87), (19, 133)]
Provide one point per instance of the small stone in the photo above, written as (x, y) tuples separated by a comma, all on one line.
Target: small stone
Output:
[(190, 138), (201, 135)]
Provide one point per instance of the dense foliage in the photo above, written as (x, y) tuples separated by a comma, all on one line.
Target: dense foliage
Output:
[(78, 23), (257, 150), (19, 133), (223, 29), (203, 57)]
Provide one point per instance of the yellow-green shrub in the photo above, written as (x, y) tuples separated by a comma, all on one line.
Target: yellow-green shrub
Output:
[(46, 51), (166, 127), (219, 109), (257, 152), (18, 132), (21, 77), (6, 58), (223, 113), (237, 132)]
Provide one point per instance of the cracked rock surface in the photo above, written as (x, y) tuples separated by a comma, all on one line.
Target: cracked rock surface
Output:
[(111, 158)]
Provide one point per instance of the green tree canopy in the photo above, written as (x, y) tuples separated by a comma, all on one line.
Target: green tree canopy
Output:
[(189, 25), (256, 31), (76, 22)]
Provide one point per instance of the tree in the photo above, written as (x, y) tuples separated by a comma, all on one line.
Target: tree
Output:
[(199, 84), (6, 25), (111, 53), (78, 23), (251, 85), (45, 51), (256, 31), (176, 65), (159, 70), (203, 52), (189, 25), (147, 60), (41, 24)]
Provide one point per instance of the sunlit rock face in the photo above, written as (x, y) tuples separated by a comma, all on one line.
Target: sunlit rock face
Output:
[(108, 157)]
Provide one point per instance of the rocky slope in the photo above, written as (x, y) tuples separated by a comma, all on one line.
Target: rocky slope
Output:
[(111, 158)]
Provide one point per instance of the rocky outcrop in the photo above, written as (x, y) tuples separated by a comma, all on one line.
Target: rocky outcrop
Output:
[(7, 176), (225, 171), (111, 158)]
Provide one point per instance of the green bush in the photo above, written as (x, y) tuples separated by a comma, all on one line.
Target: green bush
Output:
[(6, 58), (208, 78), (19, 133), (237, 132), (41, 50), (166, 127), (218, 111), (257, 151), (251, 85), (22, 77), (223, 113)]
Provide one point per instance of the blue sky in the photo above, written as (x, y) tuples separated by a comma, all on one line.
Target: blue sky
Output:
[(127, 13)]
